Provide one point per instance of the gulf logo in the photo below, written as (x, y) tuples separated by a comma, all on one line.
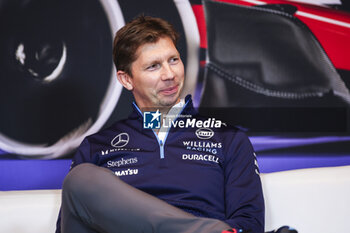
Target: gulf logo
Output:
[(204, 133)]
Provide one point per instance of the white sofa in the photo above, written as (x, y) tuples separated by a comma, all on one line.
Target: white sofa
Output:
[(310, 200)]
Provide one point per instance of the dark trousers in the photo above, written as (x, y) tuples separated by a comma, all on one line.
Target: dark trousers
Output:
[(94, 199)]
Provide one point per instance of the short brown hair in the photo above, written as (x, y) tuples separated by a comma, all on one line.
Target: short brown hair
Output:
[(141, 30)]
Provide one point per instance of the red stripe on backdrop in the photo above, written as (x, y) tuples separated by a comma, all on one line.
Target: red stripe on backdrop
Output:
[(334, 37), (199, 14)]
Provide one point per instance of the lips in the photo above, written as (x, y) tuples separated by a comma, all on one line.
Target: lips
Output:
[(170, 90)]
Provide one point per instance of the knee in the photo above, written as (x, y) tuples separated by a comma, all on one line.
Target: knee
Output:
[(77, 178), (85, 176)]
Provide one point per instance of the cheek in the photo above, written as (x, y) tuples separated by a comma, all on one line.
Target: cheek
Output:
[(180, 69), (180, 74), (150, 83)]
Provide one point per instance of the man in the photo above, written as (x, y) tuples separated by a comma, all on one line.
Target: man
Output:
[(192, 175)]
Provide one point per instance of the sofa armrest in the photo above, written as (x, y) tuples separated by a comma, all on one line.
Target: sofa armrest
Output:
[(32, 211), (310, 200)]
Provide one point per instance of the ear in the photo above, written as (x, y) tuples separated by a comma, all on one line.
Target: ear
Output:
[(125, 80)]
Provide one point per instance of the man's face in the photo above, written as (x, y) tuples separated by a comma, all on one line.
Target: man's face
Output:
[(157, 74)]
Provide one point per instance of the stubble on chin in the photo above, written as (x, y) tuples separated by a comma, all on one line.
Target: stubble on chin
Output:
[(170, 101), (167, 103)]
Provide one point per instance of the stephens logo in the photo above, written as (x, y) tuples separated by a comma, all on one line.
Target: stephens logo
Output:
[(204, 133), (121, 162), (120, 140)]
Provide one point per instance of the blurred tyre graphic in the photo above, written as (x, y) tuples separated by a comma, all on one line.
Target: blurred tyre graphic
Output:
[(57, 79), (56, 73)]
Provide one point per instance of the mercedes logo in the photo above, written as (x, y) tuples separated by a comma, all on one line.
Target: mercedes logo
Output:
[(120, 140)]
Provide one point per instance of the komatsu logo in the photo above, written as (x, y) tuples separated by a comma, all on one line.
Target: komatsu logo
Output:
[(128, 172), (204, 133)]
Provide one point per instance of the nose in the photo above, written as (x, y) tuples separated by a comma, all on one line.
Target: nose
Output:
[(167, 72)]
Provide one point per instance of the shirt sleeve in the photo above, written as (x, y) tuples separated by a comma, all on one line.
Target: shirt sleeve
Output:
[(82, 155), (244, 199)]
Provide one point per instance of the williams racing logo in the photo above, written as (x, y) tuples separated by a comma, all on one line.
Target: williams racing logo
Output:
[(207, 147)]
